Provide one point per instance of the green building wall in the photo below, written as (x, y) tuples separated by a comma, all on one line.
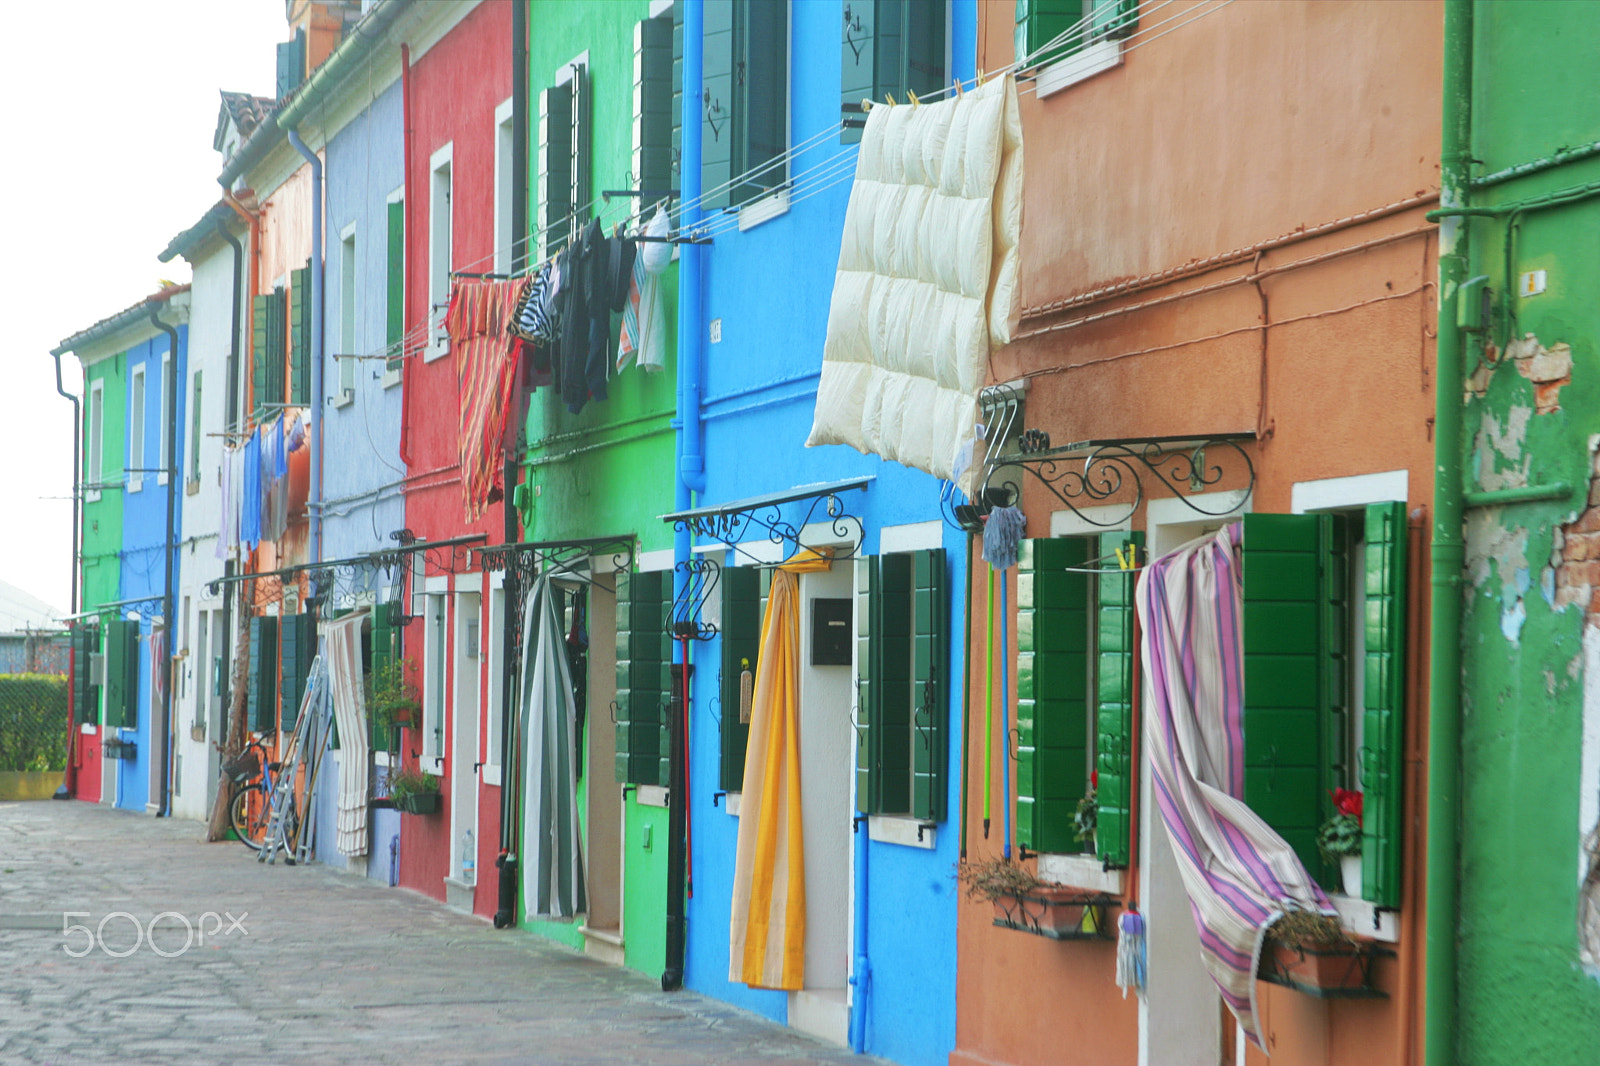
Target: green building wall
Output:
[(101, 543), (608, 470), (1533, 568)]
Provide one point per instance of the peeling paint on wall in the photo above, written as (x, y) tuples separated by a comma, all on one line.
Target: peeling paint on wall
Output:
[(1548, 368)]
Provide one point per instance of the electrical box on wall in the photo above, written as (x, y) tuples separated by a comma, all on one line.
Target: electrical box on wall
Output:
[(830, 632)]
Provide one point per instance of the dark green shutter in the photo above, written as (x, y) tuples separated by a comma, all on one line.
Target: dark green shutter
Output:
[(890, 46), (1288, 635), (269, 351), (1042, 21), (260, 314), (300, 336), (889, 740), (381, 645), (579, 181), (644, 664), (299, 648), (395, 319), (1114, 694), (742, 616), (1384, 689), (866, 677), (555, 167), (1114, 19), (652, 106), (122, 673), (263, 683), (761, 95), (930, 666), (85, 693), (675, 175), (717, 130), (291, 64), (1052, 692)]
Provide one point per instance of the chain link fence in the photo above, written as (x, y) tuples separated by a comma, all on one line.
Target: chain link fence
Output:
[(33, 722)]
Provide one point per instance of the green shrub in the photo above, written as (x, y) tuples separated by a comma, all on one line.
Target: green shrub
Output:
[(33, 722)]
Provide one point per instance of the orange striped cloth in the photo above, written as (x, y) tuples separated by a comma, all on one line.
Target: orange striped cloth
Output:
[(477, 321)]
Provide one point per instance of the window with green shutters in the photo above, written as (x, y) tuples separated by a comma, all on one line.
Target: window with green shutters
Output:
[(267, 351), (1048, 30), (654, 121), (299, 637), (1074, 691), (644, 676), (1324, 652), (889, 47), (563, 160), (300, 336), (395, 293), (744, 110), (902, 667), (85, 693), (744, 606), (262, 687), (122, 673)]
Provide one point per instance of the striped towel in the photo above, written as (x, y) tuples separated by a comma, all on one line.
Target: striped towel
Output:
[(1241, 876), (644, 316), (477, 322)]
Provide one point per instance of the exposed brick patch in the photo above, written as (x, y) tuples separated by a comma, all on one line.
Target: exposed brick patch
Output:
[(1575, 553), (1548, 368)]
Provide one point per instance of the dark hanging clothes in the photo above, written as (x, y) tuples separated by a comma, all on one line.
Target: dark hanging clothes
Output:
[(570, 376)]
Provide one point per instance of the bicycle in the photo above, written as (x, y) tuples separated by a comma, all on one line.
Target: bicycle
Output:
[(251, 810)]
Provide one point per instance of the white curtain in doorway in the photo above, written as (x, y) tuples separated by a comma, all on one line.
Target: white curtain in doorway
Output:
[(341, 649)]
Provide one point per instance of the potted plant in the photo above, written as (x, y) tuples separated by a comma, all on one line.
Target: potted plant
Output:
[(1311, 952), (1087, 818), (1339, 839), (392, 698), (1021, 901), (413, 791)]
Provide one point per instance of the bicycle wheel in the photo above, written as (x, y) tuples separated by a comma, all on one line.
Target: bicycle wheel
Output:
[(248, 817)]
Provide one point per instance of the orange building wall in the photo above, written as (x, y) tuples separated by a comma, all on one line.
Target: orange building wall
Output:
[(1249, 124)]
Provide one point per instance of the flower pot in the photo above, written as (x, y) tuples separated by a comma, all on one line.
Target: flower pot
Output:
[(1320, 969), (1057, 912), (403, 716), (418, 803), (1350, 872)]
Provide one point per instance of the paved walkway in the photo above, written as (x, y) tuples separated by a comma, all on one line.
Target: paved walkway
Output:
[(330, 968)]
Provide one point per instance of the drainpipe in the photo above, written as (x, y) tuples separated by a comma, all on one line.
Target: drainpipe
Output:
[(168, 617), (241, 295), (232, 413), (70, 779), (405, 291), (1447, 553), (317, 402), (861, 972)]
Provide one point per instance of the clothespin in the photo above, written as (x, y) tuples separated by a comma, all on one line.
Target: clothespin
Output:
[(1130, 561), (961, 89), (866, 103), (890, 98), (914, 101)]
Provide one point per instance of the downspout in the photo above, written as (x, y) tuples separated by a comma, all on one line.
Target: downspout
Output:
[(70, 779), (317, 402), (1447, 553), (405, 212), (252, 219), (690, 453), (861, 972), (168, 618), (233, 339)]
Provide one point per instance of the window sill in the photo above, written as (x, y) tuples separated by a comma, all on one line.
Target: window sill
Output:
[(91, 496), (733, 802), (1080, 871), (907, 832), (491, 774), (161, 479), (345, 398), (765, 209), (191, 487), (380, 758), (431, 764), (652, 795), (391, 377), (1366, 920), (437, 350), (1079, 66), (135, 484)]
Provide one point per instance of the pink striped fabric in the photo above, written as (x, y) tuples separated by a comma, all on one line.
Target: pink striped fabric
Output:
[(476, 321), (1241, 876)]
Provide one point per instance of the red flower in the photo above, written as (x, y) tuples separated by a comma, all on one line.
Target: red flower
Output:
[(1094, 780), (1347, 802)]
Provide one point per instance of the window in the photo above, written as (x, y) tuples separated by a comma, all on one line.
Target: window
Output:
[(1072, 39), (163, 431), (744, 607), (504, 190), (96, 448), (744, 124), (85, 693), (439, 251), (136, 430), (902, 666), (300, 337), (495, 639), (268, 352), (195, 434), (380, 651), (656, 99), (644, 677), (1324, 660), (889, 47), (564, 156), (348, 342), (395, 287), (435, 645)]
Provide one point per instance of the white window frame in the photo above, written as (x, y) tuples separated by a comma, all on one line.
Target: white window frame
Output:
[(136, 428), (97, 438), (504, 193), (1096, 57), (441, 239), (494, 742), (435, 688), (349, 324), (196, 426), (162, 432)]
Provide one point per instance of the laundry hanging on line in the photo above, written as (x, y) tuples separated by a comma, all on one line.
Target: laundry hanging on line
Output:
[(479, 322)]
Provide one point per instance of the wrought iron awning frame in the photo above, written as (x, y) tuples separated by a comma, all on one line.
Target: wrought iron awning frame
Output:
[(155, 600), (729, 524), (446, 556), (1095, 472)]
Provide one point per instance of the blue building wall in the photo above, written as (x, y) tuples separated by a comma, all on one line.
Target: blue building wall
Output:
[(144, 537), (771, 288), (362, 472)]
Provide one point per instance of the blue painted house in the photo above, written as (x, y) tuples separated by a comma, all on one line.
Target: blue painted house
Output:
[(879, 811)]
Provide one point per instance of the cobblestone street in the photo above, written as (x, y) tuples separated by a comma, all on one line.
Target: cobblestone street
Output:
[(328, 967)]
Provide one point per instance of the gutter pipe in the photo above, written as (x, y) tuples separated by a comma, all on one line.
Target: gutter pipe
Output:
[(70, 778), (317, 384), (1447, 553), (861, 972), (405, 212), (168, 618)]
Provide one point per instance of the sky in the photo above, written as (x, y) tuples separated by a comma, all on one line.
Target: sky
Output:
[(109, 106)]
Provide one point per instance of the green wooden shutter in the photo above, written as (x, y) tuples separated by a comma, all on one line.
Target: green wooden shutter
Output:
[(718, 152), (675, 174), (300, 336), (1384, 689), (275, 348), (1114, 694), (291, 64), (555, 168), (890, 46), (381, 645), (261, 693), (579, 147), (395, 311), (866, 571), (122, 673), (299, 648), (260, 313), (652, 105), (85, 693), (1042, 21), (1114, 19), (1052, 692), (741, 643), (644, 665), (1285, 619), (930, 667), (761, 95)]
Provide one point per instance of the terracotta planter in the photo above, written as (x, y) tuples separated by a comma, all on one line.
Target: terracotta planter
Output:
[(1056, 912), (1322, 969), (403, 716)]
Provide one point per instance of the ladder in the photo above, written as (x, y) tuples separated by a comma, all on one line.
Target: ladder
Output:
[(285, 820)]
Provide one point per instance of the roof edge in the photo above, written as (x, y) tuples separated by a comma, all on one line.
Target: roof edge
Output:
[(128, 316)]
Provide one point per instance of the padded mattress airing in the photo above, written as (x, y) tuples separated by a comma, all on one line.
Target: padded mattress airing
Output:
[(927, 280)]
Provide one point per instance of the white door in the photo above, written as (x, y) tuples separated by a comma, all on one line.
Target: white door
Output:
[(468, 651)]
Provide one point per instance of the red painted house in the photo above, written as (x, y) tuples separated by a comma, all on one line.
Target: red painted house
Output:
[(456, 108)]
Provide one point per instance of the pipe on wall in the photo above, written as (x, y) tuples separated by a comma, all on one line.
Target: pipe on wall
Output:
[(405, 212), (169, 564), (317, 347), (71, 778), (232, 413)]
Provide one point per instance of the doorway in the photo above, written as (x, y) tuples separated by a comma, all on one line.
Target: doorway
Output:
[(603, 853), (464, 747)]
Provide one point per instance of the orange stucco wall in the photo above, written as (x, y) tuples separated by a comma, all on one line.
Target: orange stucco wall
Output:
[(1246, 125)]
